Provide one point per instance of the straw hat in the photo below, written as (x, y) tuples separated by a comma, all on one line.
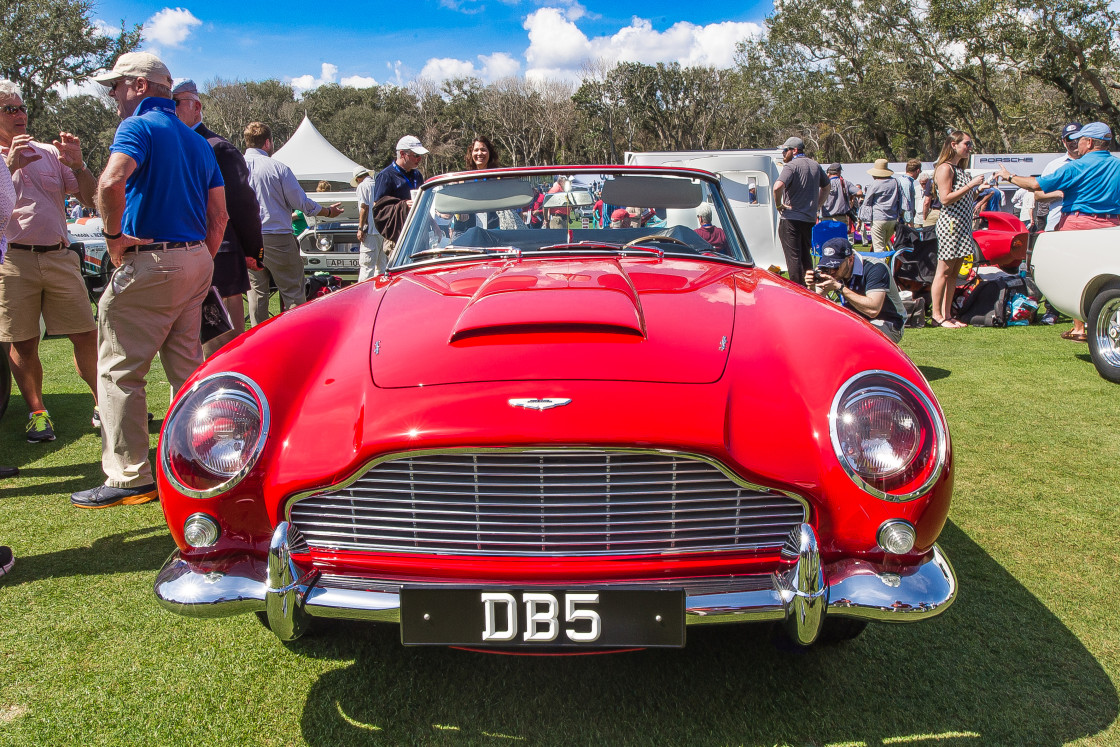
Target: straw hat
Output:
[(880, 168)]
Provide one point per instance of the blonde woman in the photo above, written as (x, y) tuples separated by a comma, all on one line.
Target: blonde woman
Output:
[(957, 194)]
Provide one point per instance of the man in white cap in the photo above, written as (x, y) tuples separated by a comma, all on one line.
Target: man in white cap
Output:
[(371, 260), (800, 189), (163, 205), (400, 178), (242, 246)]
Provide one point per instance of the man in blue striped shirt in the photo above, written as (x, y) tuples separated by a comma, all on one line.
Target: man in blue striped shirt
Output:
[(278, 193)]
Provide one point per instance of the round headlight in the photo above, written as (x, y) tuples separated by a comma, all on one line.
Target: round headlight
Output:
[(888, 436), (214, 435), (325, 243)]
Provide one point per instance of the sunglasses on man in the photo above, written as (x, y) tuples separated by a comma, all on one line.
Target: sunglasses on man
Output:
[(10, 109)]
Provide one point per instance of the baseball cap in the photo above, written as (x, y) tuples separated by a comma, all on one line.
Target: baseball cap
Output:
[(185, 85), (834, 252), (412, 143), (1070, 128), (834, 168), (358, 171), (1095, 130), (620, 214), (137, 65), (792, 143)]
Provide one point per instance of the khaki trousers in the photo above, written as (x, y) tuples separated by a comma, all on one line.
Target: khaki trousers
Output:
[(283, 264), (153, 304), (881, 232), (372, 260)]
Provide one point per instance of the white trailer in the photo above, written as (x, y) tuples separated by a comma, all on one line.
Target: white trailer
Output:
[(738, 171)]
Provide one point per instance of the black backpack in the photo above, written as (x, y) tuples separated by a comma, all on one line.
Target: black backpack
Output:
[(983, 301)]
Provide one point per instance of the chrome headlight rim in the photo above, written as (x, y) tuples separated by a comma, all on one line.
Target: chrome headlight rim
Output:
[(940, 433), (254, 455)]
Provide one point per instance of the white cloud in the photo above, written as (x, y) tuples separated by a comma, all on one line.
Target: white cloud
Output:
[(489, 68), (558, 49), (328, 73), (103, 28), (88, 87), (359, 81), (170, 26), (498, 65), (443, 68)]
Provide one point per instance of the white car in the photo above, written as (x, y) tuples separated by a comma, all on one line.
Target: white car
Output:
[(1079, 273)]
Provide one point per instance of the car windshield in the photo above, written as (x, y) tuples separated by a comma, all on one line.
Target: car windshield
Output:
[(511, 213)]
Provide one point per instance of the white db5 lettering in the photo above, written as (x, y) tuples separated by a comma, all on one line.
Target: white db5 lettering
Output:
[(509, 624), (542, 624)]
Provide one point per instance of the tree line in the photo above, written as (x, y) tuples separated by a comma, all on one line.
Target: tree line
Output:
[(857, 79)]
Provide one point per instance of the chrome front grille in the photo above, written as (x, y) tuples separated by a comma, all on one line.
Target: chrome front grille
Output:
[(546, 503)]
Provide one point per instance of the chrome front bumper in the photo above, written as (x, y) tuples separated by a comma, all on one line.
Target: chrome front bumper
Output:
[(800, 596)]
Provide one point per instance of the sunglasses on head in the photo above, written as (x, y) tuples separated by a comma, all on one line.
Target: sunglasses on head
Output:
[(12, 109)]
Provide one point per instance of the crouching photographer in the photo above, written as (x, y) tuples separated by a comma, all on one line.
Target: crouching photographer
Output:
[(863, 285)]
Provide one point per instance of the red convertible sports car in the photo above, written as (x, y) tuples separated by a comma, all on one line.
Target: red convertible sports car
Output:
[(560, 439)]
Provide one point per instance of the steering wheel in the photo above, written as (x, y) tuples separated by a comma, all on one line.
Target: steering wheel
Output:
[(657, 240)]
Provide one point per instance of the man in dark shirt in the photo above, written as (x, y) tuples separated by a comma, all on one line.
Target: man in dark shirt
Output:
[(801, 188), (242, 246), (399, 178), (864, 286)]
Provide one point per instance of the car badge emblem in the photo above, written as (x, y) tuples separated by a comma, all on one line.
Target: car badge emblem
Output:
[(540, 403)]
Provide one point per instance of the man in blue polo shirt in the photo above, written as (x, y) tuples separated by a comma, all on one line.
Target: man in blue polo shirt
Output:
[(163, 206), (1090, 186), (399, 178)]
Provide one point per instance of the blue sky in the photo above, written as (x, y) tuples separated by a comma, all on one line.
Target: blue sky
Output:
[(354, 43)]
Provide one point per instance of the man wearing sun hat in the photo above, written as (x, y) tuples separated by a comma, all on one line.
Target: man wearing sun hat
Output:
[(371, 260), (163, 208)]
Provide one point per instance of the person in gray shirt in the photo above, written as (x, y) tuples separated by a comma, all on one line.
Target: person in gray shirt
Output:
[(801, 188)]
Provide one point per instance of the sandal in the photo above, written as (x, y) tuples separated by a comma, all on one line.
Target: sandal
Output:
[(1069, 334)]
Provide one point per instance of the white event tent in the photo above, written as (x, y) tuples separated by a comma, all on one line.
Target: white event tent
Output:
[(312, 158)]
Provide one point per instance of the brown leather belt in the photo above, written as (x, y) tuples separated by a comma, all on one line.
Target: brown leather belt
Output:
[(38, 248), (160, 246)]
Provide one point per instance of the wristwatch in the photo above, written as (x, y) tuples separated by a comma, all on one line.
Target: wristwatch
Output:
[(112, 236)]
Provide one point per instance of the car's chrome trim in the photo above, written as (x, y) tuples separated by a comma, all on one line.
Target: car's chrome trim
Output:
[(266, 419), (940, 429), (669, 453), (1107, 333), (802, 595)]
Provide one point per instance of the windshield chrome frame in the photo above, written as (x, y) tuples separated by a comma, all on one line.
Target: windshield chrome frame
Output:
[(709, 179)]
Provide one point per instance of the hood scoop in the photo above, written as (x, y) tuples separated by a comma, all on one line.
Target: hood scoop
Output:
[(555, 319), (593, 297)]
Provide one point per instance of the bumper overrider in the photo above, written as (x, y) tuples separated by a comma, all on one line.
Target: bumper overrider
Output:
[(799, 596)]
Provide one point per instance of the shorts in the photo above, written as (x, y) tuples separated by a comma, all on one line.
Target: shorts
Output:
[(48, 284)]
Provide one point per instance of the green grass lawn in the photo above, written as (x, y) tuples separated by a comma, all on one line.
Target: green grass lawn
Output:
[(1030, 654)]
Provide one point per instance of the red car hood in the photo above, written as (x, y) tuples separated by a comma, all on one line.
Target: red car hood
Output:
[(599, 319)]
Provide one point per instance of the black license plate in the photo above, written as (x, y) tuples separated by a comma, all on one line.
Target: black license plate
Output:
[(542, 618)]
